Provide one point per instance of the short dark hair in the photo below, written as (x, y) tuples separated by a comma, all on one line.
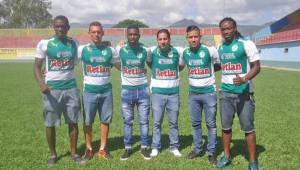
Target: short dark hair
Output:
[(94, 23), (133, 27), (63, 18), (163, 31), (192, 28)]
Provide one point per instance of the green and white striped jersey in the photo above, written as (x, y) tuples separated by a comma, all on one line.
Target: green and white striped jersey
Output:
[(165, 70), (97, 62), (235, 60), (133, 68), (200, 68), (60, 57)]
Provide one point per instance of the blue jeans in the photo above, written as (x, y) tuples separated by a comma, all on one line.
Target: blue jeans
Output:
[(171, 103), (140, 98), (208, 103)]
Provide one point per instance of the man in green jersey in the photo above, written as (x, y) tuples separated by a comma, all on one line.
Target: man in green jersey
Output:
[(97, 60), (60, 93), (240, 64), (135, 92), (200, 60), (164, 62)]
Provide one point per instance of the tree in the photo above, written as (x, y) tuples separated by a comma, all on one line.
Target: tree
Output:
[(128, 22), (25, 13)]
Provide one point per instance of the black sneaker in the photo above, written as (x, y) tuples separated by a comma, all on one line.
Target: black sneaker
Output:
[(192, 155), (145, 154), (126, 154), (52, 161), (212, 159)]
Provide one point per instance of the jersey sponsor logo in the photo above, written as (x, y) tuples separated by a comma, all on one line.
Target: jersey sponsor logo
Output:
[(193, 62), (134, 72), (202, 54), (97, 70), (98, 59), (165, 61), (64, 54), (228, 56), (199, 73), (133, 62), (165, 74), (229, 68), (234, 48), (61, 64)]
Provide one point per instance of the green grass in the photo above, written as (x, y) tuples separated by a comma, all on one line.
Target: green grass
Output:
[(23, 144)]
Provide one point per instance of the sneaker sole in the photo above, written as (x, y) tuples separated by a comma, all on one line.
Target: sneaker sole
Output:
[(123, 159), (146, 158)]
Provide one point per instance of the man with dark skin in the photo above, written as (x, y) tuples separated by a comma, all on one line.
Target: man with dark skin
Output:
[(240, 64), (135, 91), (58, 86)]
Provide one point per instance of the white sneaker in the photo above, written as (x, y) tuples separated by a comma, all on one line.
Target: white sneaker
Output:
[(176, 153), (154, 153)]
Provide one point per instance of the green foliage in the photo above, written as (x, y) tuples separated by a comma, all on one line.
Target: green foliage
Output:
[(129, 22), (23, 143), (25, 13)]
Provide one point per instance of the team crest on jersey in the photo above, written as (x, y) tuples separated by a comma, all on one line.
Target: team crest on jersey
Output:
[(139, 55), (170, 54), (69, 45), (201, 54), (89, 49), (234, 48), (104, 52)]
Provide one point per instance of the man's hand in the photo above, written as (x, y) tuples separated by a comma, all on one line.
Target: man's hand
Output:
[(239, 80), (44, 88)]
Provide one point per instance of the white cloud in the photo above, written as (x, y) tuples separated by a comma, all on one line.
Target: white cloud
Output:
[(166, 12)]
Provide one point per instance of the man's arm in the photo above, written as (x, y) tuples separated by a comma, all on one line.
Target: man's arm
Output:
[(118, 65), (181, 67), (37, 68), (149, 63), (217, 67)]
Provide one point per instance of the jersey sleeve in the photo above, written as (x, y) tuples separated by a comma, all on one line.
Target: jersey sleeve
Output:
[(214, 55), (41, 49), (79, 52), (149, 55), (180, 52), (115, 56), (251, 51), (76, 60)]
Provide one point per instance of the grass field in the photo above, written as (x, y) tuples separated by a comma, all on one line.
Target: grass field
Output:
[(23, 144)]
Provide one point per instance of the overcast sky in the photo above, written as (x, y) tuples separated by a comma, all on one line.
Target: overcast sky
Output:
[(162, 13)]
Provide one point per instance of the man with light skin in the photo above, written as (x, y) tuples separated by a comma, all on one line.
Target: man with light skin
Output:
[(59, 89), (240, 64), (200, 60), (97, 61)]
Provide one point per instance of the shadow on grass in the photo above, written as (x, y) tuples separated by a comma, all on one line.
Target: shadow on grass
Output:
[(240, 148), (115, 143)]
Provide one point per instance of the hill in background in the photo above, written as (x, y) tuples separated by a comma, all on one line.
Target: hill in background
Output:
[(243, 29)]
